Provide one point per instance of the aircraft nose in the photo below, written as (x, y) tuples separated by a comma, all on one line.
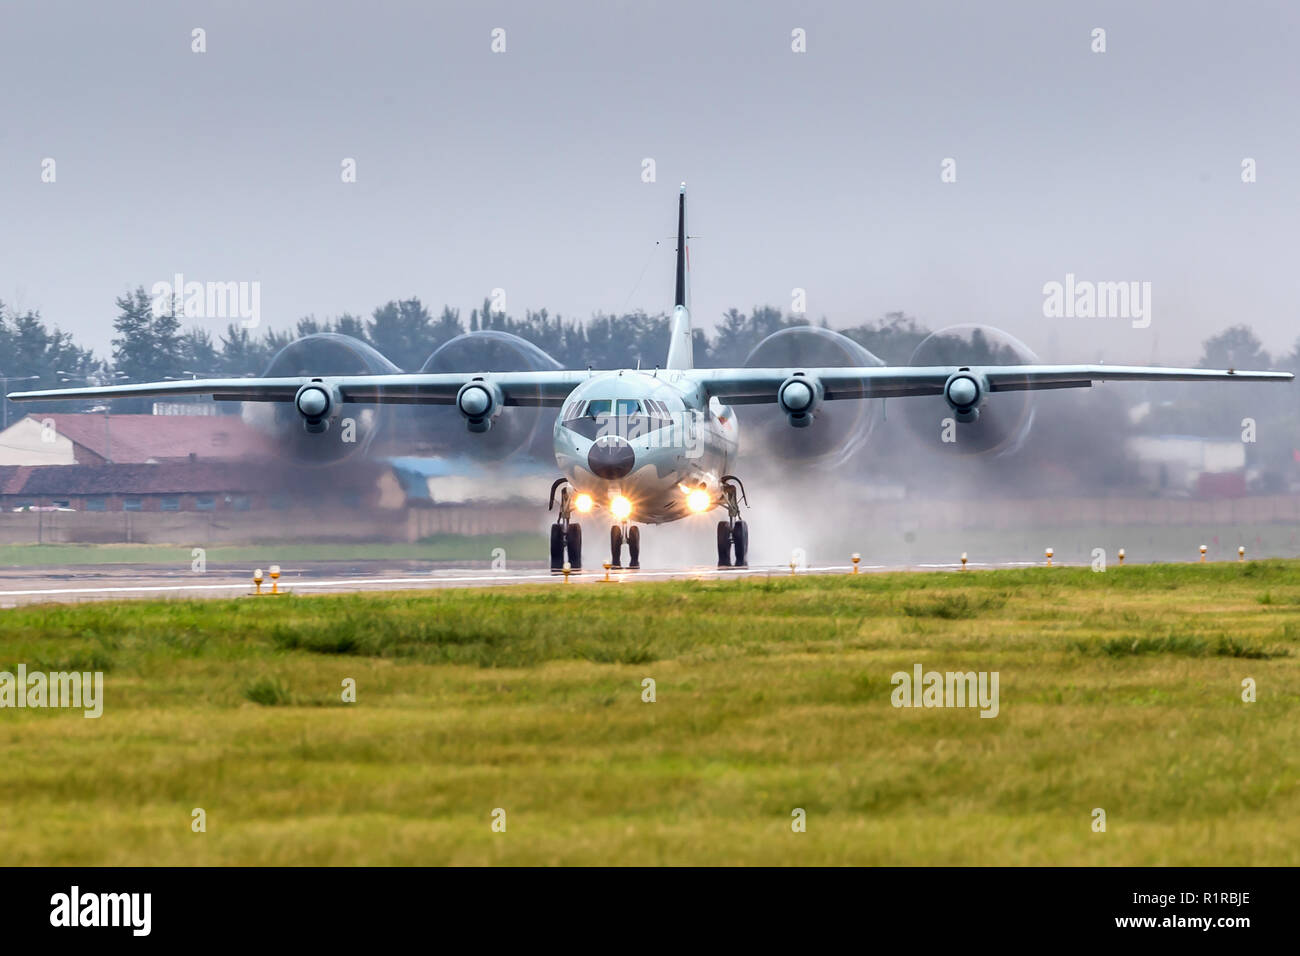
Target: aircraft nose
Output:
[(611, 458)]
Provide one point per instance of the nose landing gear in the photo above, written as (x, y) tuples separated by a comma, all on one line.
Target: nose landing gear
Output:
[(632, 535), (733, 534), (566, 535)]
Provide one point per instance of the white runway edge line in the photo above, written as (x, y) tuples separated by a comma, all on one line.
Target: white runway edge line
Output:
[(592, 575), (354, 582)]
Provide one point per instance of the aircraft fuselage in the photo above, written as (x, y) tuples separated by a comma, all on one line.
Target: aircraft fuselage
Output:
[(649, 437)]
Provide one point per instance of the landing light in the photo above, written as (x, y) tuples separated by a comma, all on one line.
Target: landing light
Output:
[(699, 500), (620, 507), (583, 503)]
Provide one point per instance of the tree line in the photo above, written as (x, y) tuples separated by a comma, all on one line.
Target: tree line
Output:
[(148, 345)]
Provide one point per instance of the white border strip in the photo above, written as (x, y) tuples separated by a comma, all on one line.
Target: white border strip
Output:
[(595, 574)]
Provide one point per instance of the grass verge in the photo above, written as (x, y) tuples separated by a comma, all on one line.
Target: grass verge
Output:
[(1120, 691)]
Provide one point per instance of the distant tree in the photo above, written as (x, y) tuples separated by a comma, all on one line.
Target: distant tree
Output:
[(133, 354), (730, 338), (700, 347), (199, 356), (1234, 347), (738, 334), (446, 328), (348, 324), (271, 344), (29, 348), (1223, 412), (148, 345), (308, 325), (240, 353), (623, 341), (168, 351), (403, 331), (1218, 411), (892, 339)]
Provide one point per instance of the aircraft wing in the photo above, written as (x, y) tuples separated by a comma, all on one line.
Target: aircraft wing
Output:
[(737, 386), (543, 388), (748, 386)]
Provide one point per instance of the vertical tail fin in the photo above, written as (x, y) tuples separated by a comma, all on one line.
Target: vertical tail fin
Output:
[(681, 348)]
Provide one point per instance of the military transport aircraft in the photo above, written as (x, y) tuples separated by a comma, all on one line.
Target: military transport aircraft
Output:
[(648, 447)]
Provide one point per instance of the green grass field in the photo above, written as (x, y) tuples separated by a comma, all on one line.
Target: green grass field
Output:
[(1120, 691)]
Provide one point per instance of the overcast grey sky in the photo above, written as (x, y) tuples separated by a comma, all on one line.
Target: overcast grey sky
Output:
[(522, 170)]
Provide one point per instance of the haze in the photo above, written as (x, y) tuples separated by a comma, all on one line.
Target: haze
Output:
[(522, 170)]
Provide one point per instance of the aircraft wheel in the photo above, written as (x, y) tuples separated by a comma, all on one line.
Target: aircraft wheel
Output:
[(634, 547), (616, 547), (574, 542), (557, 548), (724, 545), (740, 541)]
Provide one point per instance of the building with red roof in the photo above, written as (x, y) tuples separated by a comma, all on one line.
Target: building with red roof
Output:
[(150, 463), (64, 438)]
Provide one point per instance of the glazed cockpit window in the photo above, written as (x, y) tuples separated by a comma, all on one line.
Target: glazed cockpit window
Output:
[(623, 417)]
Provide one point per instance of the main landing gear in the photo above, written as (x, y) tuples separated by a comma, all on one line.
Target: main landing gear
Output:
[(632, 535), (733, 534), (566, 535)]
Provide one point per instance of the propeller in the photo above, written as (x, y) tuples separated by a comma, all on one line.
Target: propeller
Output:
[(516, 430), (838, 429), (354, 429), (1003, 419)]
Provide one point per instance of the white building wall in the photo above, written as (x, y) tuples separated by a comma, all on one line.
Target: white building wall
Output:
[(28, 442)]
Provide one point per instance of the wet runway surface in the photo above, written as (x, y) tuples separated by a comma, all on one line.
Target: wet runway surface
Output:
[(130, 582)]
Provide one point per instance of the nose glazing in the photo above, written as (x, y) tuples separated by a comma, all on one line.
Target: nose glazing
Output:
[(611, 458)]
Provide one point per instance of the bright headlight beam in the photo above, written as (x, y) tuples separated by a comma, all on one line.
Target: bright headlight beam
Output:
[(583, 503), (620, 507), (699, 500)]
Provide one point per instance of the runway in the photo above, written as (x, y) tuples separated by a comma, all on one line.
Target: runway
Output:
[(132, 582)]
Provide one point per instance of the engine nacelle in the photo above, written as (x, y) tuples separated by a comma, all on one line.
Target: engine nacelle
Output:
[(798, 397), (523, 430), (479, 402), (835, 431), (317, 402), (964, 392), (989, 425), (322, 356)]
